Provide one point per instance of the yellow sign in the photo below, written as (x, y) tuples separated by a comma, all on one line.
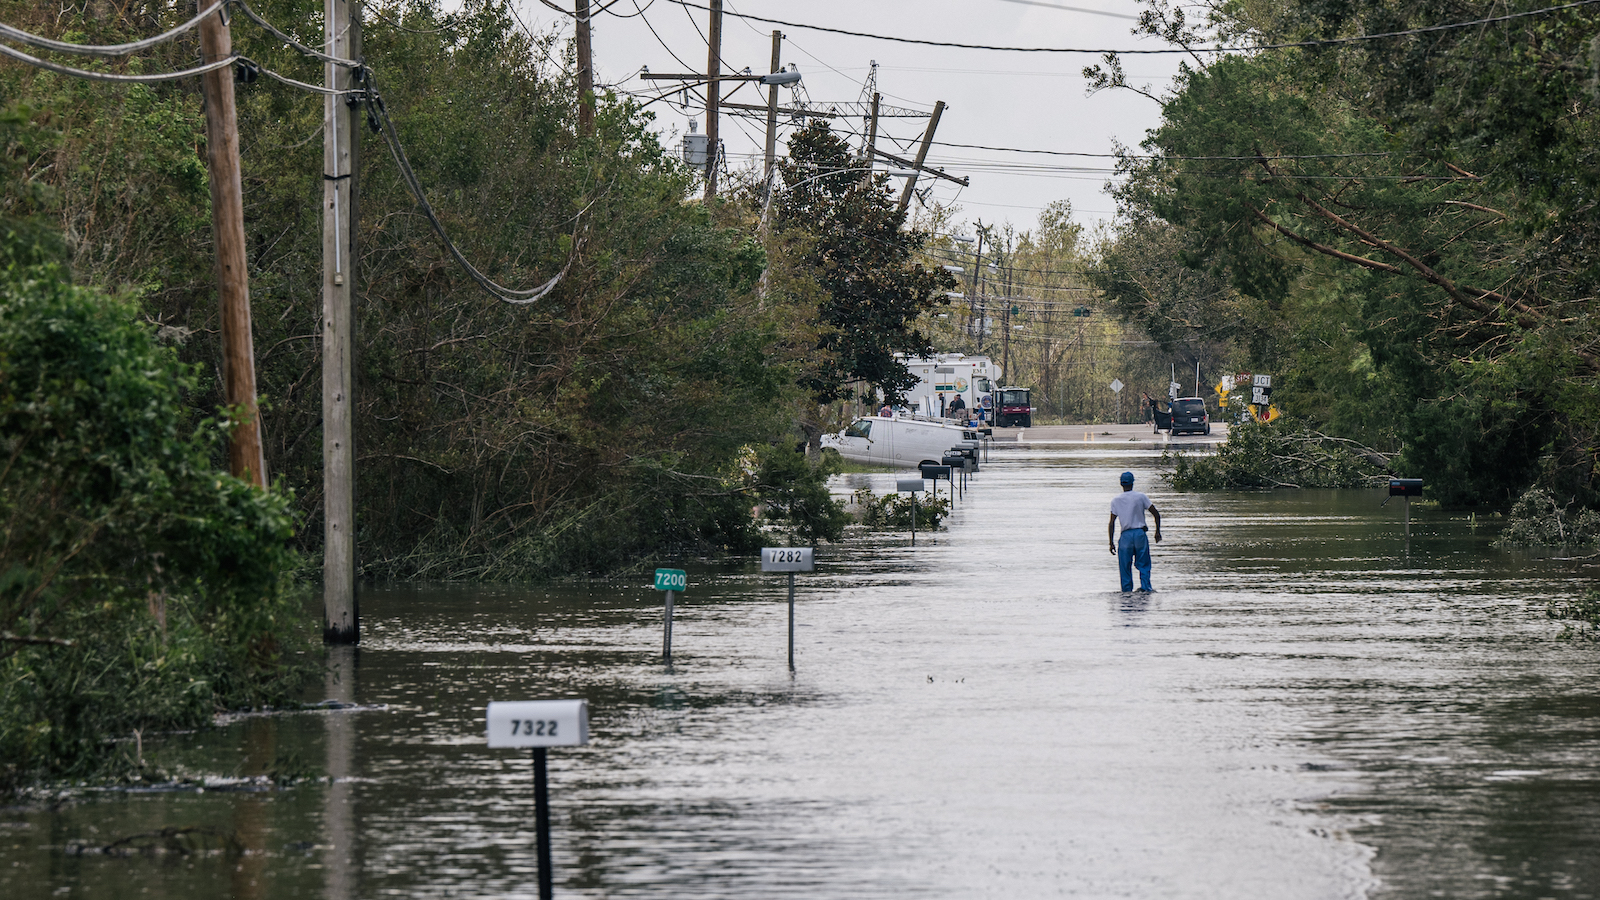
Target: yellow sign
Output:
[(1264, 416)]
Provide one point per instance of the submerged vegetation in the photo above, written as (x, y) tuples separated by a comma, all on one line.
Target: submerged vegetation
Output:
[(1279, 455), (895, 512), (1538, 519), (1582, 616)]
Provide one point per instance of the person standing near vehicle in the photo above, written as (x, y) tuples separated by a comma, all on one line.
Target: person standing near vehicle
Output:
[(1133, 548)]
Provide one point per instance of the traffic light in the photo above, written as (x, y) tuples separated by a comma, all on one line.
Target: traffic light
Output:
[(1082, 312)]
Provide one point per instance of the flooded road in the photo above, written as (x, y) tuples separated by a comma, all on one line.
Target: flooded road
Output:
[(1300, 711)]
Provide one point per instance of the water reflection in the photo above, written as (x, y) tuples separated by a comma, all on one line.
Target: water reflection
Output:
[(1132, 605), (340, 863), (1300, 712)]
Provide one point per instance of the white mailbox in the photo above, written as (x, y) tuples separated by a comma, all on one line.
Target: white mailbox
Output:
[(786, 559), (538, 723)]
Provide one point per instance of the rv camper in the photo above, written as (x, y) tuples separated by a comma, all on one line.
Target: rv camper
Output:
[(972, 378)]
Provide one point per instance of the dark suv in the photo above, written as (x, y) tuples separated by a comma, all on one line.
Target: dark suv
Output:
[(1189, 414)]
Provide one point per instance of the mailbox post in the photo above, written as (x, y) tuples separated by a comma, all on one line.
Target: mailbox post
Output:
[(791, 560), (957, 463), (912, 486), (672, 581), (1406, 488), (936, 471), (539, 724)]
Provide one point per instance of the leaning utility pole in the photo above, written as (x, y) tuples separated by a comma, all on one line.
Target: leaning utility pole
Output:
[(713, 70), (772, 112), (872, 139), (922, 155), (585, 71), (245, 458), (341, 621)]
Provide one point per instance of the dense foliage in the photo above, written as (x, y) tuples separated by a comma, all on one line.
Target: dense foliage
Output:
[(1403, 230), (139, 586), (607, 422)]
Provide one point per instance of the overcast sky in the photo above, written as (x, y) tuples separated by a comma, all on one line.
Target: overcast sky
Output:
[(1032, 101)]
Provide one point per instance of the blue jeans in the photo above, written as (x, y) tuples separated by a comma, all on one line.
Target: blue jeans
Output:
[(1133, 549)]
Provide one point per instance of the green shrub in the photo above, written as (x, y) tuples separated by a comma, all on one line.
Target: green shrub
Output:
[(140, 588), (794, 491), (893, 511)]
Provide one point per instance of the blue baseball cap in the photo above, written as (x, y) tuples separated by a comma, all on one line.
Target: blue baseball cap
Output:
[(1127, 478)]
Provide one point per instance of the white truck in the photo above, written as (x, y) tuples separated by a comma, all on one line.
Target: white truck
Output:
[(972, 378)]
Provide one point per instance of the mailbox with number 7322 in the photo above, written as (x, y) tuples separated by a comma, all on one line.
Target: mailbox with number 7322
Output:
[(539, 723)]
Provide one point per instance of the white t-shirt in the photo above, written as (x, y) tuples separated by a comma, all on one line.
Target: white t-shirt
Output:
[(1129, 507)]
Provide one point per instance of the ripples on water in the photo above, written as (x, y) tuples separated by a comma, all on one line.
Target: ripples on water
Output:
[(1300, 712)]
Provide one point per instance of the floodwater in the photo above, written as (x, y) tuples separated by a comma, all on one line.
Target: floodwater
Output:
[(1300, 711)]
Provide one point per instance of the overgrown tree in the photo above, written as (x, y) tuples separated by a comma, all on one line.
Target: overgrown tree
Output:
[(866, 261)]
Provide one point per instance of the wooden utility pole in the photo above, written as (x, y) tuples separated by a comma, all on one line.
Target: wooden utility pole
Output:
[(1005, 366), (972, 297), (341, 621), (585, 71), (245, 458), (872, 139), (872, 128), (713, 71), (772, 112), (922, 155)]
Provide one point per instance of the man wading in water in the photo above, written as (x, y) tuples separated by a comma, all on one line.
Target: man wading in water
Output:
[(1134, 547)]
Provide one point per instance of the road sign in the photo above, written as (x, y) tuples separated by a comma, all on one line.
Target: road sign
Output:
[(538, 723), (671, 580), (786, 559), (1117, 385)]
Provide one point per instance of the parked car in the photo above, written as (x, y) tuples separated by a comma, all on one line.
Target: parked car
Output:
[(1189, 416)]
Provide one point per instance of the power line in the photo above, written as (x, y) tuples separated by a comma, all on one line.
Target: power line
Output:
[(1162, 156), (43, 43), (253, 16), (1243, 48), (397, 150), (375, 106), (1077, 9), (90, 75)]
